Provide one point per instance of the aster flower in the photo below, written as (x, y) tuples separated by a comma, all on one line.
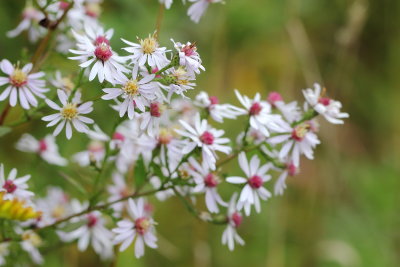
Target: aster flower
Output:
[(147, 51), (92, 232), (4, 252), (206, 181), (203, 136), (296, 140), (180, 80), (230, 236), (136, 92), (30, 243), (188, 57), (140, 229), (46, 148), (106, 64), (69, 113), (199, 7), (22, 86), (94, 154), (30, 22), (290, 111), (325, 106), (66, 84), (150, 120), (217, 111), (13, 186), (253, 190), (260, 114)]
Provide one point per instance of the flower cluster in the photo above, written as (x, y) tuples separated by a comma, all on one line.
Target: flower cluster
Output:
[(161, 142)]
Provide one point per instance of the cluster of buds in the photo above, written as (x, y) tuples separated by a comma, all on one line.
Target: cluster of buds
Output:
[(162, 143)]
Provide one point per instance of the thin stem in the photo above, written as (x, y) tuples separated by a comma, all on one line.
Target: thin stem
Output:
[(4, 113), (160, 16), (78, 83)]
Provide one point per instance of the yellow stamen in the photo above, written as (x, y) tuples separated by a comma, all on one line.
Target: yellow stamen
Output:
[(149, 45), (70, 111), (131, 87)]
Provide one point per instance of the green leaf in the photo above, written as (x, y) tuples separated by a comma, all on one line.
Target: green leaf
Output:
[(140, 172), (4, 130)]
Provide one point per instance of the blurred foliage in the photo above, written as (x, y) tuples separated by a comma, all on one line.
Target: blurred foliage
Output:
[(342, 210)]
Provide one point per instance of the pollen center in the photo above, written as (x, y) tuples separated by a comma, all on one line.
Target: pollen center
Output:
[(70, 111), (149, 45), (18, 78), (131, 88), (300, 131), (142, 225)]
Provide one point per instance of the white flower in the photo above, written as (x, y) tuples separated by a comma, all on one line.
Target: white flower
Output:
[(31, 242), (181, 81), (148, 51), (136, 92), (14, 187), (256, 176), (207, 182), (22, 85), (206, 138), (229, 236), (217, 111), (117, 190), (196, 11), (93, 232), (167, 3), (31, 17), (69, 113), (150, 120), (94, 154), (327, 107), (107, 65), (66, 84), (4, 251), (280, 184), (140, 229), (188, 57), (260, 114), (297, 141), (290, 111), (46, 148)]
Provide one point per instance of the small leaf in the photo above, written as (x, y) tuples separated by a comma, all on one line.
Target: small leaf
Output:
[(4, 130)]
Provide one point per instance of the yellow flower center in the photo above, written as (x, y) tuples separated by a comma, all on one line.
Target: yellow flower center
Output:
[(18, 78), (58, 211), (131, 87), (67, 83), (149, 45), (70, 111), (32, 237)]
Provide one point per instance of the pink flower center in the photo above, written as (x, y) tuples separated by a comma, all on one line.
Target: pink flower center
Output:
[(292, 170), (142, 225), (210, 180), (155, 110), (324, 101), (237, 219), (300, 131), (63, 5), (9, 186), (118, 136), (255, 182), (165, 137), (189, 50), (214, 100), (103, 52), (91, 220), (101, 39), (207, 138), (255, 109), (274, 97), (42, 146)]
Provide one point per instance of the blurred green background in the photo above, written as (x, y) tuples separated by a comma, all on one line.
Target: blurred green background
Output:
[(343, 209)]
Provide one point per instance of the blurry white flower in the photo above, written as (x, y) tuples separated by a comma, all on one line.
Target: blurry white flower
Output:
[(196, 11), (4, 251), (327, 107), (69, 113), (118, 190), (30, 22), (230, 236), (46, 148), (141, 229), (14, 187), (253, 190), (22, 85), (31, 242), (93, 155), (167, 3)]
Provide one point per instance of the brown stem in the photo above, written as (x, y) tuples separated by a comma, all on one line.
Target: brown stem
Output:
[(4, 113), (159, 19)]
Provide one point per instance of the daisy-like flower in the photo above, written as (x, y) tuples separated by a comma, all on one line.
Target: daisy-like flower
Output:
[(217, 111), (297, 141), (4, 251), (30, 243), (188, 57), (22, 86), (230, 235), (106, 64), (180, 82), (203, 136), (46, 148), (136, 92), (290, 111), (92, 232), (14, 187), (93, 155), (140, 229), (199, 7), (260, 114), (147, 51), (280, 184), (64, 83), (325, 106), (253, 190), (150, 120), (207, 182), (30, 22), (69, 113)]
